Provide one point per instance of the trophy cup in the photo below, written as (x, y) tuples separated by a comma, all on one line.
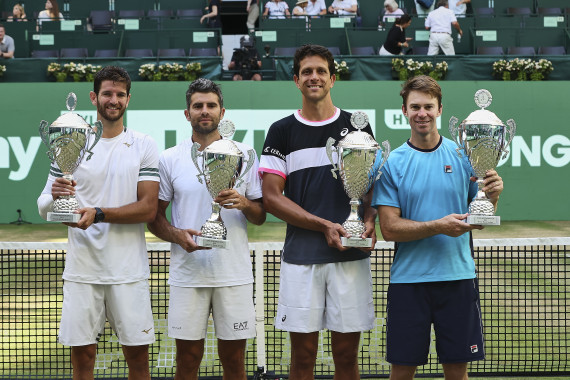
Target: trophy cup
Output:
[(356, 155), (483, 139), (68, 140), (221, 167)]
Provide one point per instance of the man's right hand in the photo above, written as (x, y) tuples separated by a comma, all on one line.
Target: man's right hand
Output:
[(454, 225), (62, 187), (185, 239), (333, 232)]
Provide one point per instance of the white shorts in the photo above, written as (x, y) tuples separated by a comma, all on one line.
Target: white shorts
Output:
[(335, 296), (87, 306), (231, 306)]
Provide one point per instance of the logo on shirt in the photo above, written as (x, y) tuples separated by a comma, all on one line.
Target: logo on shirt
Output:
[(447, 169), (474, 349), (147, 330), (344, 132), (128, 145), (274, 152), (284, 318), (240, 326)]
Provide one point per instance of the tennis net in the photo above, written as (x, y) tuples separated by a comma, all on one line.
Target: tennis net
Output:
[(525, 302)]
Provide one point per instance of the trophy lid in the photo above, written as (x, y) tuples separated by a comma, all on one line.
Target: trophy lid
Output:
[(483, 99), (70, 119), (358, 139), (224, 146)]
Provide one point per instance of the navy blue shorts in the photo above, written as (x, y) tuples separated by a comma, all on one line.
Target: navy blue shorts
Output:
[(453, 308)]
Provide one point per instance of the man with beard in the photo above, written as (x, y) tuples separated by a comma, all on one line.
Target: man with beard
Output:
[(202, 280), (106, 268)]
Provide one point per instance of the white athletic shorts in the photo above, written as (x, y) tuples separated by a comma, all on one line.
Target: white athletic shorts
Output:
[(87, 306), (335, 296), (231, 306)]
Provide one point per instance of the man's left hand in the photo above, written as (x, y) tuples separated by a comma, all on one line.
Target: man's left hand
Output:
[(232, 199)]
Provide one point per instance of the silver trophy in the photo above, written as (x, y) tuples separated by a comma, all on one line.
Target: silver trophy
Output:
[(68, 139), (221, 169), (484, 139), (356, 154)]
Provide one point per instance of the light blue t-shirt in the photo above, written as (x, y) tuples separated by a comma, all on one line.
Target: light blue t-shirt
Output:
[(428, 185)]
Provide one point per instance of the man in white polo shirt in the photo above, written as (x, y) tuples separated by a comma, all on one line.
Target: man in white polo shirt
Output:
[(439, 23)]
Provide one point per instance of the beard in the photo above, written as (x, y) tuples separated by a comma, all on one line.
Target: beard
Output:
[(205, 130), (105, 113)]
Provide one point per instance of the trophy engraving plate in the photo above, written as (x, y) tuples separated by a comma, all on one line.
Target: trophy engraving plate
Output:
[(484, 220), (356, 242), (63, 217), (211, 242)]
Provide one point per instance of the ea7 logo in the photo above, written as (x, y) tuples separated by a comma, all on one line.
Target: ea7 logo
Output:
[(240, 326)]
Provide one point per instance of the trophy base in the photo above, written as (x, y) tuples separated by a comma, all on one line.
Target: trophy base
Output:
[(356, 242), (63, 217), (211, 242), (484, 220)]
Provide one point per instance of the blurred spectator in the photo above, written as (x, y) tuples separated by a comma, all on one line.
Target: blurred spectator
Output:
[(396, 38), (276, 9), (422, 10), (300, 9), (344, 7), (252, 14), (7, 46), (439, 23), (18, 13), (214, 19), (391, 9), (459, 7), (316, 8), (246, 60), (51, 13)]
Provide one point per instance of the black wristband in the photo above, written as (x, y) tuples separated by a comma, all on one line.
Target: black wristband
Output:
[(99, 215)]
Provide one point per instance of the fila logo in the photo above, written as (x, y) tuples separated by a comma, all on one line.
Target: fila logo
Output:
[(474, 349), (344, 132), (240, 326), (447, 169)]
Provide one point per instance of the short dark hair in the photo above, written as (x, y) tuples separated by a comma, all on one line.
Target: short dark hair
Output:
[(205, 86), (112, 73), (421, 83), (309, 51), (2, 26), (403, 19)]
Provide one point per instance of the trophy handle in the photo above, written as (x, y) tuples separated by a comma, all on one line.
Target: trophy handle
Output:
[(385, 153), (330, 149), (454, 131), (97, 131), (511, 129), (250, 161), (44, 132), (194, 155)]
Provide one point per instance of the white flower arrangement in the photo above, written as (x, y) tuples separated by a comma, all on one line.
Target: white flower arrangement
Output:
[(77, 71), (170, 71), (2, 70), (411, 68), (341, 69), (522, 69)]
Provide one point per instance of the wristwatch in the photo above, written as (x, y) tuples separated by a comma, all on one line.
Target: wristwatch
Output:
[(99, 215)]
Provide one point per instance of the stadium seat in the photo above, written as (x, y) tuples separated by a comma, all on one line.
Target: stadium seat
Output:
[(45, 54), (106, 53), (189, 13), (335, 50), (523, 11), (521, 50), (484, 12), (203, 52), (550, 11), (363, 50), (551, 50), (490, 50), (139, 53), (157, 14), (101, 21), (420, 50), (171, 53), (73, 53), (284, 51), (132, 14)]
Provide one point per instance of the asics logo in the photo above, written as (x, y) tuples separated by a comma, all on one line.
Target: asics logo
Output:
[(344, 132)]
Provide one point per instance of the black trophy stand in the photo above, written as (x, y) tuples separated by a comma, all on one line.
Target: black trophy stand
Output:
[(20, 220)]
